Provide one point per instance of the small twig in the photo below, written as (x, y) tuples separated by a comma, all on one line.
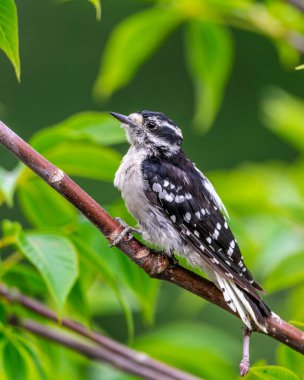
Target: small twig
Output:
[(155, 265), (138, 359)]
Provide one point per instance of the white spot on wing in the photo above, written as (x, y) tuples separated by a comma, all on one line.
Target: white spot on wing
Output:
[(173, 218), (215, 234), (179, 198), (187, 217), (232, 244), (169, 197), (156, 187), (230, 251), (162, 194)]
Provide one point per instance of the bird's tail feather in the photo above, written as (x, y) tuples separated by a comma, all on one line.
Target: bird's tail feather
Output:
[(251, 310)]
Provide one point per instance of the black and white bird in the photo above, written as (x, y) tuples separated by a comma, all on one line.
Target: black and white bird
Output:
[(178, 210)]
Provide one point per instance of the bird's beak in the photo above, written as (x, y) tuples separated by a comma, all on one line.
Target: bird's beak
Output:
[(122, 118)]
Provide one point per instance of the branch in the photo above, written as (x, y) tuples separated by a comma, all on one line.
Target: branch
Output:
[(154, 264), (82, 348), (95, 352), (129, 360)]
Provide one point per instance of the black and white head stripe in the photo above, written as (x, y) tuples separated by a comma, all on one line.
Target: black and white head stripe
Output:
[(162, 126), (153, 131), (161, 133)]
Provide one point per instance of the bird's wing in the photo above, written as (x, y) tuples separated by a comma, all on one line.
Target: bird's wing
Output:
[(193, 207)]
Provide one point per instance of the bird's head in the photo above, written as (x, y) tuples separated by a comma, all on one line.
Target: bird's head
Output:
[(152, 131)]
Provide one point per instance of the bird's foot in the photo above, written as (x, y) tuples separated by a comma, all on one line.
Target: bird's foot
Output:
[(126, 231), (244, 366), (245, 362), (173, 261)]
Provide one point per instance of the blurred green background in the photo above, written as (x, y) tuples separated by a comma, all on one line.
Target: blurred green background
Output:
[(251, 147)]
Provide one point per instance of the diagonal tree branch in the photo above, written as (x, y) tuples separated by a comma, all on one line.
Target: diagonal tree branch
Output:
[(129, 360), (155, 264)]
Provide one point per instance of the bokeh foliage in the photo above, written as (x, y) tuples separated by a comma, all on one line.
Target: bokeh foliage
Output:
[(52, 253)]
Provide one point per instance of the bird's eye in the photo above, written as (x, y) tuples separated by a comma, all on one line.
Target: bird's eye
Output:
[(151, 125)]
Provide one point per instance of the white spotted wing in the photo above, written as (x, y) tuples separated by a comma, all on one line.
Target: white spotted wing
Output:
[(193, 207)]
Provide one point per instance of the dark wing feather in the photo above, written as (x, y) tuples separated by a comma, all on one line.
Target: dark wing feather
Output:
[(185, 195)]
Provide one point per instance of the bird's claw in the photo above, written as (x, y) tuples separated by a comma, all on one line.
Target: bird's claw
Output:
[(126, 231), (173, 261), (244, 366)]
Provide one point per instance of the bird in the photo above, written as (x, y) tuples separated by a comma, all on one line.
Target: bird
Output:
[(178, 210)]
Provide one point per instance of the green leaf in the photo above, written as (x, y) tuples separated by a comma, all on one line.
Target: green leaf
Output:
[(97, 5), (288, 273), (131, 43), (55, 258), (284, 115), (273, 373), (144, 288), (97, 127), (301, 67), (13, 363), (8, 182), (111, 260), (209, 55), (100, 371), (288, 358), (183, 345), (53, 255), (85, 160), (288, 54), (99, 264), (33, 356), (9, 42), (43, 206), (279, 237), (27, 279), (273, 187)]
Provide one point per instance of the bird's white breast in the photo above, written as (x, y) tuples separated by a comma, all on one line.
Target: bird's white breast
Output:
[(128, 179)]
